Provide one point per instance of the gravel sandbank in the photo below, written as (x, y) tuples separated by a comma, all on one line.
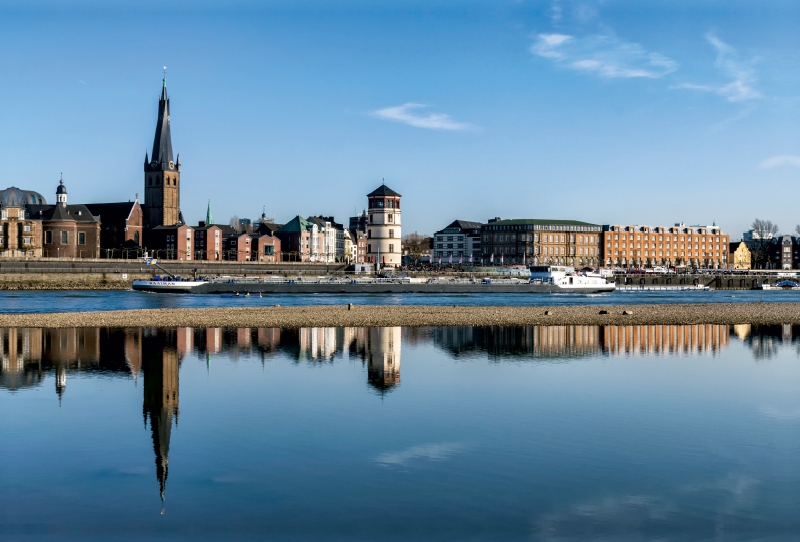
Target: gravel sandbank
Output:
[(341, 315)]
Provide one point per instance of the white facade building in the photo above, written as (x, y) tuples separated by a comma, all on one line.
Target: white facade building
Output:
[(384, 234), (457, 242)]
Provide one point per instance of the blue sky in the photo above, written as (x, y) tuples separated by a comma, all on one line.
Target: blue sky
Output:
[(606, 111)]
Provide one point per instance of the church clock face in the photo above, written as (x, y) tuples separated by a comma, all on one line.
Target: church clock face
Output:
[(171, 165)]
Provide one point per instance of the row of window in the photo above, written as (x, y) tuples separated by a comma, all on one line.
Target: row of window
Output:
[(450, 245), (48, 237), (167, 181), (389, 218), (675, 253), (536, 238), (546, 227), (680, 238), (391, 248), (690, 231), (381, 204), (391, 234), (669, 246)]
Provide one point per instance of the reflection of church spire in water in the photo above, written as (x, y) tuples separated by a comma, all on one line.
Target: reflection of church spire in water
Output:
[(160, 398), (383, 364)]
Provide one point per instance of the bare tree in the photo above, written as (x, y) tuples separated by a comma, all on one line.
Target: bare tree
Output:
[(416, 245), (797, 229), (762, 235), (234, 223)]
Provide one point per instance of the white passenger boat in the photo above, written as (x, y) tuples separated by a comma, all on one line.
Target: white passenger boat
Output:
[(781, 285), (566, 279)]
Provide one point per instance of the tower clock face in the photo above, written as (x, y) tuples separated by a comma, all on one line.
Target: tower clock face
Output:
[(171, 165)]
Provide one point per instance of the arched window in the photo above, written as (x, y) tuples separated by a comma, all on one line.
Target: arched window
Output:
[(150, 181), (136, 237)]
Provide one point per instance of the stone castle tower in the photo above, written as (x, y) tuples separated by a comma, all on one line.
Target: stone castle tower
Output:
[(162, 175), (384, 234)]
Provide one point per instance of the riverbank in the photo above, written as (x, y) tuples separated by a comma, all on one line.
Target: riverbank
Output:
[(358, 316)]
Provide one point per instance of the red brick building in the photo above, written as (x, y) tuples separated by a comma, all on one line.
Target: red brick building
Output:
[(265, 248), (207, 242), (170, 242), (236, 247), (69, 231)]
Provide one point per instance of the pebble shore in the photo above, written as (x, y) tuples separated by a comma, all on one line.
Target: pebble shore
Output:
[(357, 316)]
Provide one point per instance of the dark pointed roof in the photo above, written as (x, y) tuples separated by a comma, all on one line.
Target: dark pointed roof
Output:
[(383, 190), (65, 213), (162, 143), (112, 212)]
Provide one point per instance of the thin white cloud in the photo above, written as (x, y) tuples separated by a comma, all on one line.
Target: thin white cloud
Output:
[(555, 12), (741, 88), (431, 452), (782, 160), (408, 114), (604, 55)]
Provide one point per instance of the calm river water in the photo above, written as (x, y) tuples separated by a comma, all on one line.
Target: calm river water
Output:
[(458, 433), (20, 301)]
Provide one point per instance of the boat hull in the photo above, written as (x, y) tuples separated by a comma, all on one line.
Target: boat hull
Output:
[(182, 287), (391, 288)]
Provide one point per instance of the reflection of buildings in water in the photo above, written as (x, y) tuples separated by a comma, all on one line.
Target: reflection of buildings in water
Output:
[(132, 351), (213, 339), (742, 330), (510, 341), (184, 340), (766, 340), (383, 363), (20, 355), (379, 348), (268, 339), (576, 341), (320, 343), (665, 339), (416, 336), (61, 381), (160, 405)]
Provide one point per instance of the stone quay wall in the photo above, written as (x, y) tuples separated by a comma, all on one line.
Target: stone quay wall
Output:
[(106, 274)]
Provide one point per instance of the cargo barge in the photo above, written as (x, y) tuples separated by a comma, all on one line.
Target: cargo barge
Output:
[(560, 280)]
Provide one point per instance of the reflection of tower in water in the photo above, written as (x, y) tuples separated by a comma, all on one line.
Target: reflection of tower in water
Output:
[(161, 363), (383, 357)]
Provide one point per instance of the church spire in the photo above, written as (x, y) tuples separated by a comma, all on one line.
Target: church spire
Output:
[(162, 143), (209, 220)]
